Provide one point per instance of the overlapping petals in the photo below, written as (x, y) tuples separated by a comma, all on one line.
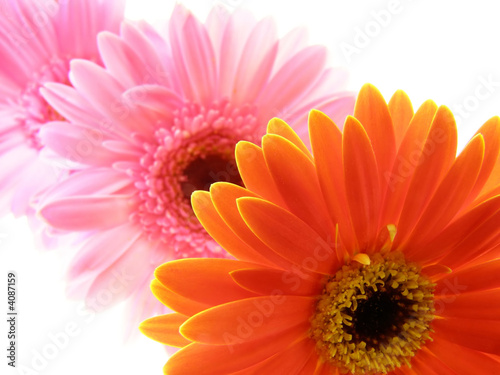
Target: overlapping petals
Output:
[(390, 182)]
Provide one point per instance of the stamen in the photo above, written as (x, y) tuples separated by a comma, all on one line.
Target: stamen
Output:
[(372, 318), (193, 151)]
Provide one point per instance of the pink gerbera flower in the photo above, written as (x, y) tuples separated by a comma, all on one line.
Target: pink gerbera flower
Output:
[(38, 38), (160, 121)]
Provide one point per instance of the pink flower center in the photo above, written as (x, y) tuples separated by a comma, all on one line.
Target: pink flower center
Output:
[(34, 110), (190, 154)]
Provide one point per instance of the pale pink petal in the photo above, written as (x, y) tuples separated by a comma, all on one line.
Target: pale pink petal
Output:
[(44, 174), (256, 62), (294, 41), (82, 213), (176, 25), (67, 102), (95, 181), (154, 98), (287, 85), (236, 32), (103, 249), (122, 62), (157, 72), (199, 59), (78, 145), (79, 21), (122, 277)]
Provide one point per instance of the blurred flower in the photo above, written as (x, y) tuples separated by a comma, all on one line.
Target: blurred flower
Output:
[(38, 40), (161, 121), (377, 255)]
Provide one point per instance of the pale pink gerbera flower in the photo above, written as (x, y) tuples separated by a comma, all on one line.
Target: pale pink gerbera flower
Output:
[(162, 120), (37, 40)]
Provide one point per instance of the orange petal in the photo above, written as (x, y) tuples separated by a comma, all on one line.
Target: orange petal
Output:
[(165, 329), (491, 133), (205, 211), (288, 236), (326, 142), (255, 173), (290, 361), (462, 360), (428, 365), (487, 256), (481, 239), (399, 178), (280, 127), (267, 281), (296, 179), (176, 302), (248, 319), (203, 280), (438, 154), (224, 197), (449, 197), (493, 183), (313, 364), (401, 112), (450, 237), (480, 277), (372, 112), (436, 271), (234, 356), (478, 305), (482, 335), (361, 182)]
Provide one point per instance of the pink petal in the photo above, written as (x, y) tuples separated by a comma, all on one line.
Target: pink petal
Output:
[(88, 212), (122, 278), (199, 58), (256, 62), (103, 249), (92, 181), (287, 84), (79, 21), (237, 30), (70, 104), (157, 72), (78, 145)]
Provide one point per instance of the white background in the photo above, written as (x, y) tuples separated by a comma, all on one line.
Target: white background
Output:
[(441, 50)]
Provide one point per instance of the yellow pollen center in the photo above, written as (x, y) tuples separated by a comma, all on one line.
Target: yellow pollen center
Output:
[(373, 318)]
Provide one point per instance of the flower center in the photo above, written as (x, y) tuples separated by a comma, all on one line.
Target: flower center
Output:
[(35, 111), (204, 170), (191, 153), (373, 318)]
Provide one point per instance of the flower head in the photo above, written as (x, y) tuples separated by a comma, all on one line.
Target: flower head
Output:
[(38, 40), (377, 255), (160, 121)]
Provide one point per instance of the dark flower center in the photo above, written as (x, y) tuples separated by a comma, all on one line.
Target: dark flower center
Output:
[(378, 317), (372, 318), (191, 149), (204, 170)]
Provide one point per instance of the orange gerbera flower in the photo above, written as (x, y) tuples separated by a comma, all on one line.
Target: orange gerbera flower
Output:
[(377, 255)]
